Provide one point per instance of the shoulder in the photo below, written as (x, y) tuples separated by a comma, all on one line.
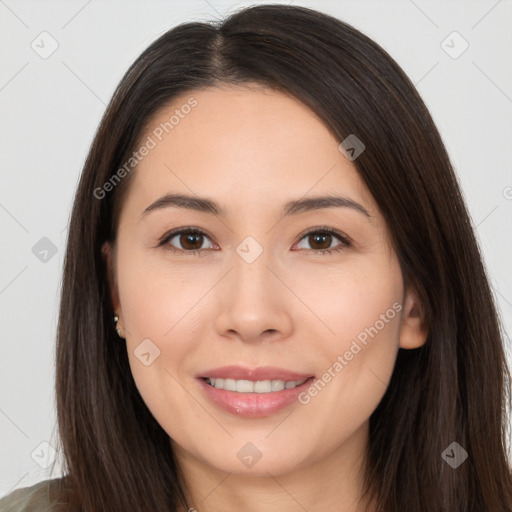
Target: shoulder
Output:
[(40, 497)]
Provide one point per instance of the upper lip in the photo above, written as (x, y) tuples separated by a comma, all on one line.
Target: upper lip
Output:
[(254, 374)]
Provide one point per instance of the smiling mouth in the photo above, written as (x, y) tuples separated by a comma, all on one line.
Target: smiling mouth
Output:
[(249, 386)]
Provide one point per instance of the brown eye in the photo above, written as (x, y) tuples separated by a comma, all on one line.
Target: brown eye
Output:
[(191, 241), (320, 240), (186, 240)]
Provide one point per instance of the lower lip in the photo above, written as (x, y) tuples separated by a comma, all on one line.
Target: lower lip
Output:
[(253, 405)]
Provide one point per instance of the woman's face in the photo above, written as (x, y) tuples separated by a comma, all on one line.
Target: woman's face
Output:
[(253, 288)]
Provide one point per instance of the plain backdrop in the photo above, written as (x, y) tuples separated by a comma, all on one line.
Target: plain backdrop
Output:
[(51, 104)]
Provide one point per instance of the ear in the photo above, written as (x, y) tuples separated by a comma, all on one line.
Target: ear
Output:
[(108, 255), (413, 331)]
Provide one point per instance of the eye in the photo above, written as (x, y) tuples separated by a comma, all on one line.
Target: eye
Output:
[(191, 240), (321, 238)]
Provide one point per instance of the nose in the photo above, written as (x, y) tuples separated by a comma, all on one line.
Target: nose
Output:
[(254, 303)]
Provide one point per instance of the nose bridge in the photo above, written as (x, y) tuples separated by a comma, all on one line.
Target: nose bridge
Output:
[(251, 276), (255, 299)]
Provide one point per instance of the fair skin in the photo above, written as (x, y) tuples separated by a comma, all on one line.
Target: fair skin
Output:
[(252, 150)]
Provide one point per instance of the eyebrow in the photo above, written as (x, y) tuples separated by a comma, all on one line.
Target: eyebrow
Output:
[(206, 205)]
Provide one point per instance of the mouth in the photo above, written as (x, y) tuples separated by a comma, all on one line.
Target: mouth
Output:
[(249, 386), (253, 393), (259, 374)]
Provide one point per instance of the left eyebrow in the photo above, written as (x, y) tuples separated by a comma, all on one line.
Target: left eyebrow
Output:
[(206, 205), (318, 203)]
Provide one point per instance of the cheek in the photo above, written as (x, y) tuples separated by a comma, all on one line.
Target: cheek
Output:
[(360, 300), (162, 311), (157, 298), (364, 310)]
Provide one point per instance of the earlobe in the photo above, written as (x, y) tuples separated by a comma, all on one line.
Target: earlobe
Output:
[(413, 331)]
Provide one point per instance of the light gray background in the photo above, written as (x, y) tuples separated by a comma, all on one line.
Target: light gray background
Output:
[(51, 107)]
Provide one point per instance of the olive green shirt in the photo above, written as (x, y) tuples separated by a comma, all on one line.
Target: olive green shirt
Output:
[(35, 498)]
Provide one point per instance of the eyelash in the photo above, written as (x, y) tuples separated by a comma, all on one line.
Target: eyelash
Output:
[(345, 242)]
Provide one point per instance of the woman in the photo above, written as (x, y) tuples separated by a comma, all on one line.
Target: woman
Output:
[(302, 319)]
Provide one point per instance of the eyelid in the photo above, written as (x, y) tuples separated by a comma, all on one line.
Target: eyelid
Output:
[(177, 231)]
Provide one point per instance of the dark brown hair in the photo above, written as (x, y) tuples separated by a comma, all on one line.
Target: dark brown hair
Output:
[(455, 388)]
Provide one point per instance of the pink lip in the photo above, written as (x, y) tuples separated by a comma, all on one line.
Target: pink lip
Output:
[(254, 374), (253, 405)]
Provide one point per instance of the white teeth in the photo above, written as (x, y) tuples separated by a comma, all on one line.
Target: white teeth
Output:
[(278, 385), (249, 386), (230, 384), (244, 386)]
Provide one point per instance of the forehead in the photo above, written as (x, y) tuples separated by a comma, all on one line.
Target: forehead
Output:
[(248, 144)]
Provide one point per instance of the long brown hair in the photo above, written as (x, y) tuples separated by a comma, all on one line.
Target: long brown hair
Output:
[(455, 388)]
